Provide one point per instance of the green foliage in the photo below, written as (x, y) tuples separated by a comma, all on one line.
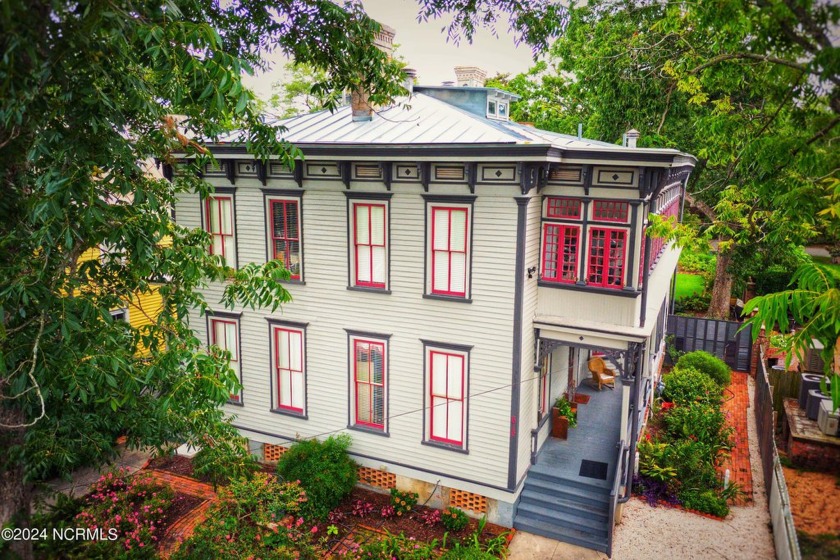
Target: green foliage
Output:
[(394, 546), (697, 261), (696, 303), (709, 364), (259, 517), (403, 502), (468, 552), (654, 461), (564, 408), (324, 469), (688, 285), (454, 519), (699, 422), (684, 386), (223, 461), (706, 501)]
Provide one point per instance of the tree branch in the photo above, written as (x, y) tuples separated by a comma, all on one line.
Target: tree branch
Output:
[(751, 56), (35, 384)]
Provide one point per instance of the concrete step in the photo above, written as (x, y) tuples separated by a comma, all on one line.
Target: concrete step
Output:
[(569, 519), (564, 534), (599, 512), (593, 497), (592, 484)]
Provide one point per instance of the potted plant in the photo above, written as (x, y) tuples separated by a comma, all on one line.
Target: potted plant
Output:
[(562, 416)]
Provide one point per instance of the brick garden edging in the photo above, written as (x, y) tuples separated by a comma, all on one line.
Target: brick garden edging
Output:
[(183, 528)]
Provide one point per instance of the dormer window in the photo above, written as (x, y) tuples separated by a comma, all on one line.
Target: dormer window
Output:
[(502, 110), (491, 108)]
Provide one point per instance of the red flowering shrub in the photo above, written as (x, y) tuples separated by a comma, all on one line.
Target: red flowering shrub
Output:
[(430, 517), (128, 511)]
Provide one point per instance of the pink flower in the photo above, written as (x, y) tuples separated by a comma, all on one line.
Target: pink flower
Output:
[(299, 522), (314, 529)]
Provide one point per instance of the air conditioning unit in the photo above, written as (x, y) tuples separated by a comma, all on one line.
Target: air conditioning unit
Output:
[(827, 420), (813, 361)]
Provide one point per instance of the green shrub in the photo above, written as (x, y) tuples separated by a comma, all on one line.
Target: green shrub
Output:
[(701, 422), (469, 552), (395, 546), (695, 303), (324, 469), (697, 262), (706, 501), (256, 518), (224, 461), (684, 386), (454, 519), (654, 461), (403, 501), (706, 363), (564, 408), (695, 464)]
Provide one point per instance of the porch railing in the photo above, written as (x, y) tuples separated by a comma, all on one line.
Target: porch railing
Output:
[(619, 475)]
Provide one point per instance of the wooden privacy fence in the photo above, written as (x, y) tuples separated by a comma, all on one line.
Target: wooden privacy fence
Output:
[(721, 338), (778, 500)]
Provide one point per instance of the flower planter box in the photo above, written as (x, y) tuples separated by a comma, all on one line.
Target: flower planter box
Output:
[(559, 425)]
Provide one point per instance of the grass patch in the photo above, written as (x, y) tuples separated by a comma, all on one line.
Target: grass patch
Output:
[(689, 284), (819, 547)]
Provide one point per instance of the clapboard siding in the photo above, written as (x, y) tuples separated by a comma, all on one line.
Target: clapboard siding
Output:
[(598, 307), (529, 397), (329, 308)]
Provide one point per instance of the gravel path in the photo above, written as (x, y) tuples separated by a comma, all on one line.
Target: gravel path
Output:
[(660, 532)]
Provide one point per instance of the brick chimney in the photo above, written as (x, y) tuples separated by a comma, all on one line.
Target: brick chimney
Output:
[(359, 105), (470, 76)]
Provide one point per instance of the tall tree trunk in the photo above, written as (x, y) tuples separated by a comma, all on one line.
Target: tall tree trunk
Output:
[(15, 493), (722, 291)]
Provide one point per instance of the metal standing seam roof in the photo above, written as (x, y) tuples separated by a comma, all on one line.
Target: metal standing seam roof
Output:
[(422, 119)]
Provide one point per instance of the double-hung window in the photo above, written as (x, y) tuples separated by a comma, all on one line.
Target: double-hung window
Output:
[(284, 234), (224, 333), (447, 390), (219, 223), (289, 368), (368, 376), (607, 257), (369, 245), (449, 250)]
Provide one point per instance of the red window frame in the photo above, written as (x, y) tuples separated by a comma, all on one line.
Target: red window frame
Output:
[(285, 255), (439, 255), (369, 386), (610, 211), (288, 372), (561, 248), (370, 245), (562, 207), (225, 346), (209, 226), (438, 407), (606, 266)]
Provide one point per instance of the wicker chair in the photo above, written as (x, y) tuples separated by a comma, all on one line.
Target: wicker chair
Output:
[(601, 374)]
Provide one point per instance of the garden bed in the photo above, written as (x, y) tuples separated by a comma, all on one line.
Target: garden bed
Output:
[(176, 464)]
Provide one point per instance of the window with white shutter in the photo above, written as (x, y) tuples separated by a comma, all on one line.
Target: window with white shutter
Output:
[(289, 370), (369, 244), (450, 247), (224, 333), (219, 223)]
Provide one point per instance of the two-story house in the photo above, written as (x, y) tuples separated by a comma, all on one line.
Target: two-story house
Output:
[(452, 272)]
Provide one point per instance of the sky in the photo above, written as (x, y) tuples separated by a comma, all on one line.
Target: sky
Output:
[(424, 47)]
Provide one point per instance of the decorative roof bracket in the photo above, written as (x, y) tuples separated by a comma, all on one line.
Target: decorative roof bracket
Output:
[(345, 168)]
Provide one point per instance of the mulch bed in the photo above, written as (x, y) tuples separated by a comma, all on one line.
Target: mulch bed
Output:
[(176, 464), (410, 525), (181, 505)]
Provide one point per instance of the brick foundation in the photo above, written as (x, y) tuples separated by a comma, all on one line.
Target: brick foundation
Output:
[(377, 478), (272, 453)]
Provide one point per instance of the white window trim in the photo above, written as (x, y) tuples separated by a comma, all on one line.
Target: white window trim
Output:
[(429, 411)]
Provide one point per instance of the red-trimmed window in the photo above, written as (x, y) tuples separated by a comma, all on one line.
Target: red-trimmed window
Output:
[(218, 222), (284, 234), (447, 379), (450, 250), (290, 383), (543, 380), (370, 252), (558, 207), (610, 211), (369, 383), (560, 252), (607, 257), (224, 333)]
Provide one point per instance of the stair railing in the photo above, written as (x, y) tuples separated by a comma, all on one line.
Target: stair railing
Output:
[(620, 467)]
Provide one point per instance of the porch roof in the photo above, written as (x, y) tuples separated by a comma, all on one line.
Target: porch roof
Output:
[(595, 333)]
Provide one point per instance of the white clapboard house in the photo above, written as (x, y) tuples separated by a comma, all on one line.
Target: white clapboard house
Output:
[(452, 273)]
